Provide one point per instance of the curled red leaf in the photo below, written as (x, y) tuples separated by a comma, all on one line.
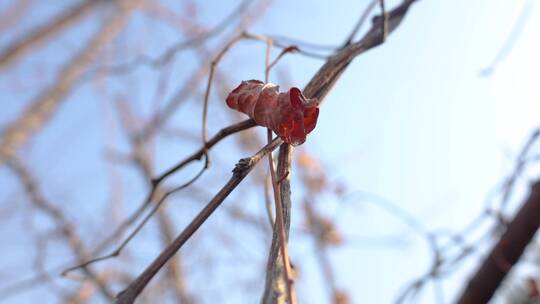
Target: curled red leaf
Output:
[(289, 114)]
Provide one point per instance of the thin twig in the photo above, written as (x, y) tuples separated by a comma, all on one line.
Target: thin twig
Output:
[(521, 161), (280, 227), (511, 40), (278, 44), (360, 22), (289, 49), (35, 280), (268, 201), (304, 44), (385, 20), (267, 65), (213, 64)]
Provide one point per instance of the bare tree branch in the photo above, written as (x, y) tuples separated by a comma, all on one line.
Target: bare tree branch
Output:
[(275, 290), (45, 105), (506, 252), (174, 269), (12, 14), (47, 31)]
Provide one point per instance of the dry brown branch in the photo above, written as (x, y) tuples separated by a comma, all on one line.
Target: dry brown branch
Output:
[(45, 104), (506, 252), (241, 170), (276, 288), (11, 15), (174, 268), (47, 31), (280, 225)]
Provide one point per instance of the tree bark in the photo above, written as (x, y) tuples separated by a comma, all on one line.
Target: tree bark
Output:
[(506, 252), (275, 288)]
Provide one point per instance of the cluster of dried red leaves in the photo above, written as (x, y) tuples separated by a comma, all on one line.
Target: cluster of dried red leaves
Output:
[(289, 114)]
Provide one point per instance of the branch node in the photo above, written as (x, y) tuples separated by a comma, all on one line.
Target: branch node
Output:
[(242, 165)]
